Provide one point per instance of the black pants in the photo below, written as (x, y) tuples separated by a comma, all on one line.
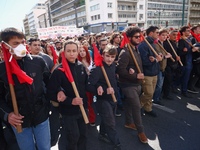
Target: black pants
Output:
[(108, 123), (168, 81), (7, 138), (73, 133)]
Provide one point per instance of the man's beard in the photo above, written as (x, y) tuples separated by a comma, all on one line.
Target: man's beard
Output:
[(134, 43), (58, 49)]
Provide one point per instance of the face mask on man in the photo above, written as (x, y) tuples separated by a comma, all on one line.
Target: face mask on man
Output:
[(19, 51)]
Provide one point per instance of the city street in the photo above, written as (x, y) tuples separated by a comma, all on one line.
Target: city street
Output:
[(175, 128)]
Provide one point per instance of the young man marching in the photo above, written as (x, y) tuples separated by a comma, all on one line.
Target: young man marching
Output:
[(29, 75), (105, 105)]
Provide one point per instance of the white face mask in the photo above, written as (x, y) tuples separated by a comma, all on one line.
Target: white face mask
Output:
[(20, 50)]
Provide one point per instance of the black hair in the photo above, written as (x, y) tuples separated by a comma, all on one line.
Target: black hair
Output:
[(183, 29), (132, 30), (70, 42), (31, 40), (9, 33), (151, 29)]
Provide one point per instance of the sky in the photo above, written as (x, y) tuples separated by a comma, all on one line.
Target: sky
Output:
[(12, 12)]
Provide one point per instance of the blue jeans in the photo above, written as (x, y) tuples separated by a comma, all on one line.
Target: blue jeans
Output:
[(158, 89), (31, 137)]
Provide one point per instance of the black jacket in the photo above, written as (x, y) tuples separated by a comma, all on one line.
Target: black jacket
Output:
[(31, 100), (58, 81), (96, 79)]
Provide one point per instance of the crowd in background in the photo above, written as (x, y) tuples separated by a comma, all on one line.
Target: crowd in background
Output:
[(173, 63)]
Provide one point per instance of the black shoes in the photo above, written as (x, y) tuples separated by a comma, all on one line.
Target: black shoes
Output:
[(117, 147), (104, 138), (186, 95), (158, 103), (151, 113), (193, 91), (168, 97)]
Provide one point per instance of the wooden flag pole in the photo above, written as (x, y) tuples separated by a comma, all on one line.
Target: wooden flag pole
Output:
[(165, 51), (108, 83), (81, 106), (152, 49), (15, 108), (174, 51)]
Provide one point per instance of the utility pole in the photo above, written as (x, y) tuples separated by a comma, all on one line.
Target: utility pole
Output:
[(49, 15), (75, 6), (183, 11)]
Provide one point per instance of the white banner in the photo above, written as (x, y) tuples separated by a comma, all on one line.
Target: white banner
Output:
[(57, 31)]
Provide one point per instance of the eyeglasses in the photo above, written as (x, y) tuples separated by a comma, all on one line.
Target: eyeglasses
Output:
[(137, 37)]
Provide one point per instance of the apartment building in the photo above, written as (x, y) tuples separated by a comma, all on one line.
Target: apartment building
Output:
[(110, 15), (194, 12), (166, 13), (26, 26), (68, 12), (33, 22)]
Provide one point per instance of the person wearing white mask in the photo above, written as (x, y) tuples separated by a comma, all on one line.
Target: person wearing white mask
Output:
[(28, 75)]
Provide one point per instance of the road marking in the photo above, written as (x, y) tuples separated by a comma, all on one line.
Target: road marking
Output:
[(164, 108)]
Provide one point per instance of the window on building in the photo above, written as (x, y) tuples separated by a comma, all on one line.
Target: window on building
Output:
[(141, 7), (141, 16), (99, 16), (109, 5), (110, 15)]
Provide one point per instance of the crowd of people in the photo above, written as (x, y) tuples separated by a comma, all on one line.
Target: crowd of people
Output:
[(53, 82)]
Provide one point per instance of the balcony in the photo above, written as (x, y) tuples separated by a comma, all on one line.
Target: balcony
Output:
[(128, 1), (194, 1), (195, 8)]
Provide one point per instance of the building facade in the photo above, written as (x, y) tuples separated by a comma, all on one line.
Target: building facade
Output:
[(33, 22), (26, 26), (194, 12), (165, 13), (68, 12)]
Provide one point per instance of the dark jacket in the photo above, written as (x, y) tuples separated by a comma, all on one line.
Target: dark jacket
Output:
[(186, 57), (168, 48), (96, 79), (149, 68), (31, 100), (58, 81), (125, 62)]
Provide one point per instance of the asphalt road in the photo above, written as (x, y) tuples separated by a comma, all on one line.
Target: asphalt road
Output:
[(177, 127)]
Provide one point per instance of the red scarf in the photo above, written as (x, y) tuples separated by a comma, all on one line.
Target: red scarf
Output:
[(13, 68)]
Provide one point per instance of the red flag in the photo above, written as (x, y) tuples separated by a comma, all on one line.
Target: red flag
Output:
[(13, 68), (66, 68), (178, 36), (141, 37), (124, 41), (97, 56), (196, 36), (55, 57)]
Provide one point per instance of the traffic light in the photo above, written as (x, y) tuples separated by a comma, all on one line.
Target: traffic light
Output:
[(112, 25), (166, 23)]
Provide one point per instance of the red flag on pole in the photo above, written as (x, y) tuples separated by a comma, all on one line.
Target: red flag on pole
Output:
[(196, 36), (97, 56), (13, 68), (55, 57), (124, 41), (66, 68)]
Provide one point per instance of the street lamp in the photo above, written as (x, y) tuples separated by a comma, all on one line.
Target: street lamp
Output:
[(75, 6), (159, 13)]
